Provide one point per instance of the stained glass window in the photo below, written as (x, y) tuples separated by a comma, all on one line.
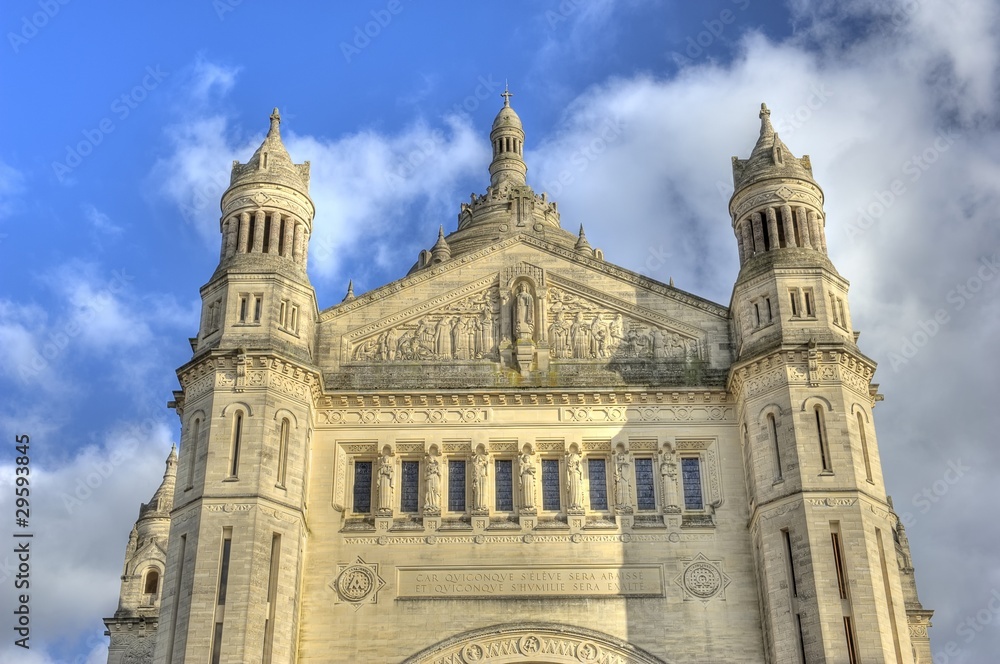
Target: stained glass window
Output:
[(645, 492), (504, 484), (409, 489), (691, 472), (550, 484), (597, 471), (362, 487), (456, 486)]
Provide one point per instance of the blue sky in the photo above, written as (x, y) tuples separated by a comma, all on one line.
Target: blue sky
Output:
[(123, 119)]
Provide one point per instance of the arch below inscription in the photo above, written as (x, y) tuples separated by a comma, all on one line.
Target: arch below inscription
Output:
[(533, 643)]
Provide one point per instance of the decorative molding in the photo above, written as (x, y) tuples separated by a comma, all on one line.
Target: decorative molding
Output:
[(703, 579), (357, 583)]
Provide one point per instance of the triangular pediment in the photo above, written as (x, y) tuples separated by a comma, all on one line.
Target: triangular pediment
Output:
[(518, 298)]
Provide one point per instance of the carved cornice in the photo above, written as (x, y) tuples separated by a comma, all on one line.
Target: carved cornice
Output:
[(229, 370), (801, 367)]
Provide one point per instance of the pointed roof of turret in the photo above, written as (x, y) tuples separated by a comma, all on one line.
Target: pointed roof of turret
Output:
[(163, 499), (507, 117), (581, 243), (350, 291), (769, 158), (441, 251), (271, 163)]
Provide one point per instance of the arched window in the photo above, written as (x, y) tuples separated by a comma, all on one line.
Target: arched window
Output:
[(864, 448), (824, 447), (193, 454), (234, 457), (283, 450), (772, 430), (151, 584)]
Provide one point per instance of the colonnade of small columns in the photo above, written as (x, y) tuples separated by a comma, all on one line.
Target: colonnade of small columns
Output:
[(783, 226), (265, 233), (506, 144)]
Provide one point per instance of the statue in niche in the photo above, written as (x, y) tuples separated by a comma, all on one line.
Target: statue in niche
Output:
[(385, 469), (524, 313), (598, 337), (480, 468), (580, 334), (623, 489), (527, 469), (432, 485), (442, 338), (574, 480), (559, 338), (668, 475)]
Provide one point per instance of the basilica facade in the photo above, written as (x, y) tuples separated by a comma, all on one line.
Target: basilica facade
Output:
[(521, 452)]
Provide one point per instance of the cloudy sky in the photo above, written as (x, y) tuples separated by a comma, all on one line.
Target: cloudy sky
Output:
[(122, 120)]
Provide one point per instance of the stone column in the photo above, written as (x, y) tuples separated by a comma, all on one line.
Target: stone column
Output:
[(816, 231), (244, 233), (297, 244), (275, 238), (230, 236), (739, 246), (772, 230), (745, 227), (758, 231), (258, 232), (803, 224), (788, 225), (286, 245)]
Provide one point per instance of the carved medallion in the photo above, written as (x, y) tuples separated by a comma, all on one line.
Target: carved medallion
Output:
[(702, 578), (358, 583)]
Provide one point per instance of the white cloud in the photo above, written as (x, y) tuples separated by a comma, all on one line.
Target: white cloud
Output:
[(82, 511), (11, 187), (101, 221)]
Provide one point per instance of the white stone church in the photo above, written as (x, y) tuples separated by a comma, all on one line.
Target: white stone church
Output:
[(521, 452)]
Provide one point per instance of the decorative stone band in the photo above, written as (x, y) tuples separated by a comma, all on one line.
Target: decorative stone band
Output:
[(532, 642)]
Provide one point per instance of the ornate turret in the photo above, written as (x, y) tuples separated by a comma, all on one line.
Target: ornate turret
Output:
[(507, 138), (776, 203), (266, 211)]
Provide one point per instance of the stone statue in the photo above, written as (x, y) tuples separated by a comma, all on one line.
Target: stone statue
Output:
[(574, 480), (659, 347), (668, 474), (580, 334), (616, 332), (489, 339), (527, 470), (442, 338), (432, 485), (385, 468), (480, 467), (524, 313), (559, 338), (598, 338), (623, 491)]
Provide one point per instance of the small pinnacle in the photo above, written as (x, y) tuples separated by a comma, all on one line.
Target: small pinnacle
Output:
[(582, 244), (506, 94), (671, 282), (350, 291), (275, 120)]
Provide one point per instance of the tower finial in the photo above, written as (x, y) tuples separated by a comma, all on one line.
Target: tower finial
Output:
[(350, 291), (506, 94), (275, 121), (765, 120)]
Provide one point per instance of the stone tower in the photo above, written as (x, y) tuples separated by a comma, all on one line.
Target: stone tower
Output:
[(133, 628), (823, 531), (237, 528)]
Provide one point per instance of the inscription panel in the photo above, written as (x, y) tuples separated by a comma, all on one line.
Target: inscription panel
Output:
[(529, 581)]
